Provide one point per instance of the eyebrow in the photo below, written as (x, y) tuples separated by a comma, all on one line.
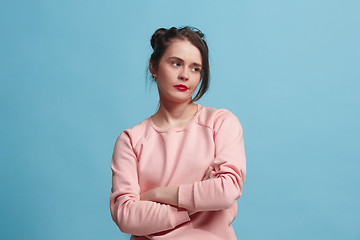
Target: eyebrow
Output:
[(181, 60)]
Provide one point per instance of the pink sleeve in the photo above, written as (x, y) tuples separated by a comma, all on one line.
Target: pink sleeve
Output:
[(222, 190), (132, 215)]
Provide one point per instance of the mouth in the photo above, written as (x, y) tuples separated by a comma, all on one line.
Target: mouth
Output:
[(181, 87)]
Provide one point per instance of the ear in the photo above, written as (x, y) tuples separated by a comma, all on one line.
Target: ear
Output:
[(152, 68)]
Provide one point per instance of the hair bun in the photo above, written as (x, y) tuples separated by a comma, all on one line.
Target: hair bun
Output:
[(157, 34)]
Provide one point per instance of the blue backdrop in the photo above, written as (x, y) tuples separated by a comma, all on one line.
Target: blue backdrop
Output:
[(73, 76)]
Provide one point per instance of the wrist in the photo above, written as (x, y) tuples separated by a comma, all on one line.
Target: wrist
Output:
[(167, 195)]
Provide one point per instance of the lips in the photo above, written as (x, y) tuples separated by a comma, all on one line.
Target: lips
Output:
[(181, 87)]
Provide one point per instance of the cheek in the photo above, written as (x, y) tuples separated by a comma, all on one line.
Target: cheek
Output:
[(198, 78), (165, 73)]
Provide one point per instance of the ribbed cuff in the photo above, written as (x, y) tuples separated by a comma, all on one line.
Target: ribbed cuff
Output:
[(186, 196), (179, 216)]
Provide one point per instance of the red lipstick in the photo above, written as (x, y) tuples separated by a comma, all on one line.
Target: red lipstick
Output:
[(181, 87)]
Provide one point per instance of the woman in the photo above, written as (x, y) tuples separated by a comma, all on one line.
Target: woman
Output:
[(177, 174)]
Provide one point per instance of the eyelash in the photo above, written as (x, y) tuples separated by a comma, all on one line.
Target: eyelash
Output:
[(176, 64)]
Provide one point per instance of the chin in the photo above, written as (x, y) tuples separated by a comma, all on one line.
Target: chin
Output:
[(179, 100)]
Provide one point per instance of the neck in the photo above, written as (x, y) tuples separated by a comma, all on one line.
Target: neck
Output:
[(171, 113)]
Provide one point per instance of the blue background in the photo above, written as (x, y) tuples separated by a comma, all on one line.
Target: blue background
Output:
[(73, 76)]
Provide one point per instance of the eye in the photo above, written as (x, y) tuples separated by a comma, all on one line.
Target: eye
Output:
[(175, 64), (195, 69)]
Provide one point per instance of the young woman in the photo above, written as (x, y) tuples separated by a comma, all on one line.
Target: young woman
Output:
[(178, 174)]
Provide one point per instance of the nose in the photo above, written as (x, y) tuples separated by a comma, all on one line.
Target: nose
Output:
[(184, 75)]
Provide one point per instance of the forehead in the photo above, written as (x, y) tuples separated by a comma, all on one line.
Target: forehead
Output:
[(183, 49)]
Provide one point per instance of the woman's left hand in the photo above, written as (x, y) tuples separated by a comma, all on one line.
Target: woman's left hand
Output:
[(209, 173)]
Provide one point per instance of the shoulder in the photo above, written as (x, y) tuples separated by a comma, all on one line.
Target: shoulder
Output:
[(136, 134), (215, 118)]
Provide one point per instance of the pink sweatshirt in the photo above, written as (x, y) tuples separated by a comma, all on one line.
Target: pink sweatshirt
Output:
[(146, 156)]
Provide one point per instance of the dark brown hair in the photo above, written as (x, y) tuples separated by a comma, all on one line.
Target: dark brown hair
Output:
[(161, 40)]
